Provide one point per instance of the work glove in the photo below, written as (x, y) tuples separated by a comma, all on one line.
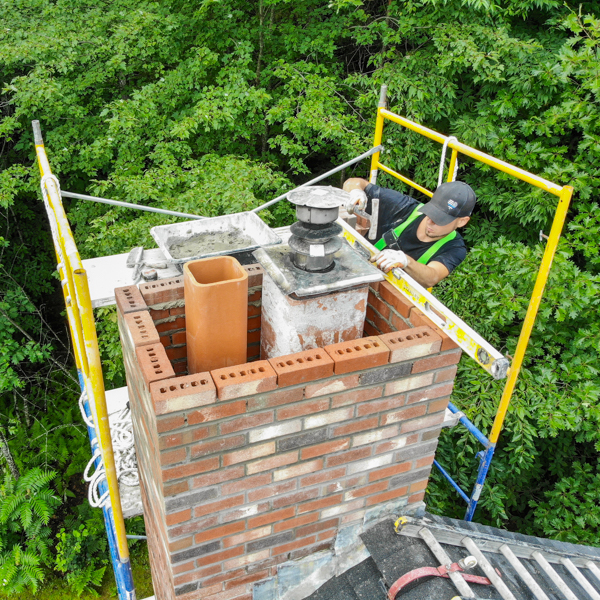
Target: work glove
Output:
[(388, 259), (358, 199)]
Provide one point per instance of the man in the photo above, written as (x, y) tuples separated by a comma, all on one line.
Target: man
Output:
[(421, 239)]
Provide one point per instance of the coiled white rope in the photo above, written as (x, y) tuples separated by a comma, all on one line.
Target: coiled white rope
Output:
[(443, 161), (124, 453)]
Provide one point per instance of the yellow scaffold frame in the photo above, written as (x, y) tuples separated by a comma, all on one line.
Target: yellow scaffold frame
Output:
[(564, 194), (87, 358)]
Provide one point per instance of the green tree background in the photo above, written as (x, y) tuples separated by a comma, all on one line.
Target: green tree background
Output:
[(216, 106)]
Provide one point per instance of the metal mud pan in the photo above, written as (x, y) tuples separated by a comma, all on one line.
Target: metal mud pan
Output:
[(218, 236)]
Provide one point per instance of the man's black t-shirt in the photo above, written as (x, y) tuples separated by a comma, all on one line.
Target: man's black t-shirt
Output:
[(395, 208)]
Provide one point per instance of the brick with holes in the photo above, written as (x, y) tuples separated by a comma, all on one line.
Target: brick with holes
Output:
[(183, 393), (164, 290), (244, 380), (140, 329), (129, 299), (358, 355), (411, 343), (154, 363), (301, 367)]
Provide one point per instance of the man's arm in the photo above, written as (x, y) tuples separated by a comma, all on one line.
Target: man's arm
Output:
[(427, 275)]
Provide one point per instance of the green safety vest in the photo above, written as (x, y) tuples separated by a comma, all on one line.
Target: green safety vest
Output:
[(426, 257)]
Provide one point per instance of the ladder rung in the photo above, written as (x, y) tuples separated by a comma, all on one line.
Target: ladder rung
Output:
[(581, 580), (556, 578), (524, 574)]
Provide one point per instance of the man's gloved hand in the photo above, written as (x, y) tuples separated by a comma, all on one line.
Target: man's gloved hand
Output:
[(358, 199), (388, 259)]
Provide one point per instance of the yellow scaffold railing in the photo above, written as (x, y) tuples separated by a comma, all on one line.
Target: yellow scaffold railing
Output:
[(87, 357), (564, 194)]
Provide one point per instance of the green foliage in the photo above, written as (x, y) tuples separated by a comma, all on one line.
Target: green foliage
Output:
[(26, 507), (82, 550)]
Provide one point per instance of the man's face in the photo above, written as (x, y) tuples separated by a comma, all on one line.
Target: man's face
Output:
[(437, 232)]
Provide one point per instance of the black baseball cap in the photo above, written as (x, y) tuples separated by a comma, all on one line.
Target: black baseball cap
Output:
[(451, 200)]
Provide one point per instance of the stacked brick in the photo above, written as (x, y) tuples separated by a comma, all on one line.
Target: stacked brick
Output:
[(244, 468)]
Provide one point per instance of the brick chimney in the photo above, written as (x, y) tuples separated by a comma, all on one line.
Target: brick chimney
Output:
[(247, 467)]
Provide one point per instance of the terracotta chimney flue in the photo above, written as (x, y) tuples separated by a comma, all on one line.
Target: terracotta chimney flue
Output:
[(216, 307)]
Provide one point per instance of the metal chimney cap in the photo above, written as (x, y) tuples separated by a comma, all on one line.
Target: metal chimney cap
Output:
[(319, 196)]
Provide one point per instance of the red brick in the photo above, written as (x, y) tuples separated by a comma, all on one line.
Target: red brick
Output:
[(293, 545), (370, 330), (297, 522), (277, 398), (418, 319), (140, 329), (438, 405), (253, 337), (398, 323), (219, 532), (173, 456), (387, 472), (179, 338), (394, 297), (176, 311), (356, 426), (446, 374), (183, 393), (369, 408), (129, 299), (331, 386), (381, 307), (367, 490), (397, 443), (316, 527), (158, 314), (180, 367), (271, 517), (418, 486), (273, 462), (326, 448), (357, 355), (302, 408), (179, 517), (171, 325), (248, 536), (177, 353), (404, 414), (386, 496), (253, 310), (412, 343), (167, 423), (319, 504), (322, 476), (199, 466), (327, 535), (219, 477), (153, 362), (255, 275), (181, 544), (218, 445), (254, 296), (239, 581), (193, 526), (216, 412), (165, 290), (297, 470), (422, 423), (183, 568), (247, 422), (165, 340), (172, 489), (375, 285), (217, 507), (189, 435), (244, 380), (424, 462), (272, 490), (254, 323), (295, 498), (436, 362), (436, 391), (416, 498), (302, 367), (248, 454), (246, 483), (219, 557), (346, 457), (357, 396)]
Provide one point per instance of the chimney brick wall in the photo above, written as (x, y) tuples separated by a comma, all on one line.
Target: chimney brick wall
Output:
[(245, 468)]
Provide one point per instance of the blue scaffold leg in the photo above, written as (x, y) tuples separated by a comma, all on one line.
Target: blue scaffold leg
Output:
[(121, 568), (484, 467), (452, 482)]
